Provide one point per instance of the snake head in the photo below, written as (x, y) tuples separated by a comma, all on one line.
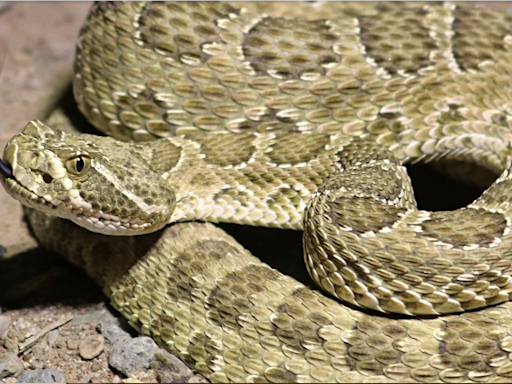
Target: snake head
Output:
[(101, 184)]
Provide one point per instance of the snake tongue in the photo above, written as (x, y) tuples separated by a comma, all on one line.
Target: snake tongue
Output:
[(5, 169)]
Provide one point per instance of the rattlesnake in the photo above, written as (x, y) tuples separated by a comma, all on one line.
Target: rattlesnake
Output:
[(374, 86)]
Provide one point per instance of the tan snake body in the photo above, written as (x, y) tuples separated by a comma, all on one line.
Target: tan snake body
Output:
[(374, 86)]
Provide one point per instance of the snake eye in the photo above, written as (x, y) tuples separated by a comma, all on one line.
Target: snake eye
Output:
[(79, 165)]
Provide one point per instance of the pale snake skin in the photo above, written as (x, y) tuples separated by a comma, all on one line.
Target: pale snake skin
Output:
[(407, 79)]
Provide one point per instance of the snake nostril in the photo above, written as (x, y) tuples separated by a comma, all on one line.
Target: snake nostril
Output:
[(47, 178)]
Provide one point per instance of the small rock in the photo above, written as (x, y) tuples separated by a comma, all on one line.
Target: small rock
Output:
[(113, 332), (3, 250), (141, 377), (61, 344), (51, 337), (96, 366), (197, 379), (36, 364), (26, 328), (169, 369), (91, 347), (72, 344), (132, 355), (41, 376), (97, 316), (10, 365), (4, 326), (97, 379), (11, 342)]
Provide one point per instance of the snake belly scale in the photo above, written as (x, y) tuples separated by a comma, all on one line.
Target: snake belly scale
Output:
[(206, 103)]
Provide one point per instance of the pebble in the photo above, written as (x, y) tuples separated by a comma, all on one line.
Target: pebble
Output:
[(4, 326), (197, 379), (41, 376), (132, 355), (96, 366), (113, 332), (96, 316), (72, 344), (52, 336), (91, 347), (169, 369), (26, 328), (36, 364), (10, 365)]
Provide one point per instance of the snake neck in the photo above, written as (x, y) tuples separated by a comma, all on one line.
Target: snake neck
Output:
[(267, 179)]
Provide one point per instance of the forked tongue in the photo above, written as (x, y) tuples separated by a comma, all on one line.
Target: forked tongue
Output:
[(5, 169)]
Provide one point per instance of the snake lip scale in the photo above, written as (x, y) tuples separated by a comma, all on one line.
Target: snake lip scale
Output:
[(294, 116)]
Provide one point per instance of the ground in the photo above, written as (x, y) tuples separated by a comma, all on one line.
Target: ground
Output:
[(54, 317)]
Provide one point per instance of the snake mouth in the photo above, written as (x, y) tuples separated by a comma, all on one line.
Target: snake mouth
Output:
[(93, 220)]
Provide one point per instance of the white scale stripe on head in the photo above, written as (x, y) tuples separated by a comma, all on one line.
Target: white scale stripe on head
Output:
[(146, 208)]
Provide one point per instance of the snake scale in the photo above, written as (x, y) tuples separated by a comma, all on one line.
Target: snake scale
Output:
[(372, 86)]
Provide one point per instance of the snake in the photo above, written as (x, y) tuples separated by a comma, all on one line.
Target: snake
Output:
[(297, 116)]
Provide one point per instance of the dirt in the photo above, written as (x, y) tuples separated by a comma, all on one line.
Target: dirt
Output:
[(58, 349)]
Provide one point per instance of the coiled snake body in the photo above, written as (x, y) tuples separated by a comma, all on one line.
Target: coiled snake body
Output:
[(374, 86)]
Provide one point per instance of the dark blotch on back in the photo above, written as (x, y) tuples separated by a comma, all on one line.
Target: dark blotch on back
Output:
[(464, 226), (290, 47), (222, 152), (478, 35), (295, 149), (364, 151), (177, 29), (362, 214), (164, 155), (397, 39)]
